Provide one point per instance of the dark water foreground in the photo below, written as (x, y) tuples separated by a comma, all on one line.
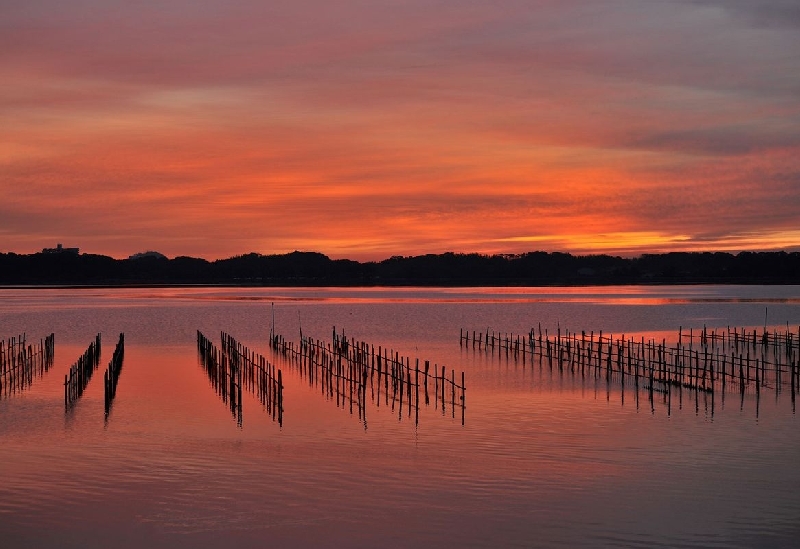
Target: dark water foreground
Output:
[(546, 455)]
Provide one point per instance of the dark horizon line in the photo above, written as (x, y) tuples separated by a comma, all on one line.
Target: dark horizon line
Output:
[(504, 255), (447, 269)]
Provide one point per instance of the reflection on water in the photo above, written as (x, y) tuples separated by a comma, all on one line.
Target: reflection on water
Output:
[(559, 450), (111, 375), (21, 363), (342, 368), (235, 366), (708, 366), (225, 376), (80, 374), (20, 299)]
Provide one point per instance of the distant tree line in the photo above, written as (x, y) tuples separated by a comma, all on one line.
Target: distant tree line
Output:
[(448, 269)]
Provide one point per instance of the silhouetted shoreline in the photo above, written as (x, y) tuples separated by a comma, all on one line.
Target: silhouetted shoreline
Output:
[(448, 269)]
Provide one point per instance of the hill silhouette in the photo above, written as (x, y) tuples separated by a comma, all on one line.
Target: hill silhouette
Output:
[(448, 269)]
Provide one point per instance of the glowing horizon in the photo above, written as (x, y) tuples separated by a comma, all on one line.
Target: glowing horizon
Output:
[(364, 131)]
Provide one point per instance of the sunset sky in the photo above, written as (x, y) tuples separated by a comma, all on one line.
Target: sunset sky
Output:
[(366, 129)]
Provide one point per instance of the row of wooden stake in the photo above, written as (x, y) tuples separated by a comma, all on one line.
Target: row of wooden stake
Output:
[(782, 345), (345, 368), (224, 377), (111, 375), (21, 362), (259, 376), (714, 363), (81, 372), (234, 366)]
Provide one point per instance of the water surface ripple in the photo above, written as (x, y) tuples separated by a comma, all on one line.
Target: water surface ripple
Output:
[(544, 458)]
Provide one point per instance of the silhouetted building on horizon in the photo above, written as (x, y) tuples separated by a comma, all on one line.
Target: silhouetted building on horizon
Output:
[(60, 249)]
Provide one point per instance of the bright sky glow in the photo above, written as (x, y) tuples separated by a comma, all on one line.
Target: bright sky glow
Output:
[(369, 129)]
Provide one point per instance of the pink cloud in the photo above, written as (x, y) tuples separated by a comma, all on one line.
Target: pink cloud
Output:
[(373, 128)]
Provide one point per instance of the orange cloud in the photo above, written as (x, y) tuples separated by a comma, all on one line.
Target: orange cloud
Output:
[(367, 131)]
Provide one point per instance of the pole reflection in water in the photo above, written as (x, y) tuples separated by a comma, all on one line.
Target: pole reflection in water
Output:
[(80, 374), (235, 367), (112, 373), (345, 370), (706, 366), (21, 363)]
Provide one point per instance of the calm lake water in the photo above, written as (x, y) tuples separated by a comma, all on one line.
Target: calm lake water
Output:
[(543, 458)]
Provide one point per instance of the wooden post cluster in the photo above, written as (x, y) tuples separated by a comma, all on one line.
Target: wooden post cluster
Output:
[(81, 372), (111, 375), (225, 376), (234, 367), (510, 344), (21, 362), (706, 361), (345, 369), (259, 376)]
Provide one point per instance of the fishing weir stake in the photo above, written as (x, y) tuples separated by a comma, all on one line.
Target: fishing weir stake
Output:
[(21, 362), (81, 372), (225, 378), (233, 367), (260, 377), (111, 375), (345, 369), (704, 362)]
